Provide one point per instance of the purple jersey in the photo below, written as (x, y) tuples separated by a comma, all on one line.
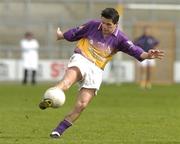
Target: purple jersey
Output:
[(97, 48)]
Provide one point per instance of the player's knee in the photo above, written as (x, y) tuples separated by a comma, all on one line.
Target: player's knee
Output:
[(65, 84), (81, 106)]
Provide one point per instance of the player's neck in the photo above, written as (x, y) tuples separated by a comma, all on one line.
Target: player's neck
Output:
[(108, 34)]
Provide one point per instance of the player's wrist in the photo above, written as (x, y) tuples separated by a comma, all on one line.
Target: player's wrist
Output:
[(59, 37), (145, 55)]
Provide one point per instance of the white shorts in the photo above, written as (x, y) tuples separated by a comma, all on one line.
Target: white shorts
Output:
[(148, 62), (92, 75)]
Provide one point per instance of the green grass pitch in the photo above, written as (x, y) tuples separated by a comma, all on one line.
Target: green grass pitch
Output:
[(119, 114)]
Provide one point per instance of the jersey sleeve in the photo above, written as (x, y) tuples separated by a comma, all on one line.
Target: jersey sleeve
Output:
[(131, 49), (77, 33)]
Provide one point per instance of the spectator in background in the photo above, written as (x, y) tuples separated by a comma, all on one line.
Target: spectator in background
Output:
[(147, 42), (29, 47)]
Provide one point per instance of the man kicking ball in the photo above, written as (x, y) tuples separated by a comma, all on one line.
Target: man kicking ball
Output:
[(98, 41)]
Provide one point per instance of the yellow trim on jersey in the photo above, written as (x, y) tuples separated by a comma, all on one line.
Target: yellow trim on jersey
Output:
[(98, 56)]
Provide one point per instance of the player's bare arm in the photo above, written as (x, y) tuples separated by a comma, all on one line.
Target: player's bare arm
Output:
[(153, 54), (59, 34)]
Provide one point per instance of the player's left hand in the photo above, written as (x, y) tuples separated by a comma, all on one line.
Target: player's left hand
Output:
[(155, 54)]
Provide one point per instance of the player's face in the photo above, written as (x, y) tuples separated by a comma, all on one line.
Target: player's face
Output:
[(108, 26)]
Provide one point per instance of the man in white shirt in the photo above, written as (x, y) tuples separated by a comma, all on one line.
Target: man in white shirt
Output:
[(29, 47)]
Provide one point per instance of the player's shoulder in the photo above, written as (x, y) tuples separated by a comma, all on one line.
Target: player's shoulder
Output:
[(93, 22), (121, 35)]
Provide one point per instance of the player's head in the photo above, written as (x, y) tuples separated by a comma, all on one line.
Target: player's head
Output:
[(147, 30), (28, 35), (110, 18), (110, 13)]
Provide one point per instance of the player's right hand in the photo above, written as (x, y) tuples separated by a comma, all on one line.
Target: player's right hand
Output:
[(59, 34)]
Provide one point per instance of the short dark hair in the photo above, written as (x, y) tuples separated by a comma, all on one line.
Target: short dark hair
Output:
[(28, 34), (110, 13)]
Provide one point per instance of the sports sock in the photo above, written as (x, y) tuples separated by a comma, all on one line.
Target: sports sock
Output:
[(63, 125)]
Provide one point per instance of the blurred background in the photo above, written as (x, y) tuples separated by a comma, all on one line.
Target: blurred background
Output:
[(42, 17)]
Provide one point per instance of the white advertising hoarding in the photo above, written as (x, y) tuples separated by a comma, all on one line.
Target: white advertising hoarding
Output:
[(53, 70), (7, 70), (119, 71), (48, 70), (177, 72)]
